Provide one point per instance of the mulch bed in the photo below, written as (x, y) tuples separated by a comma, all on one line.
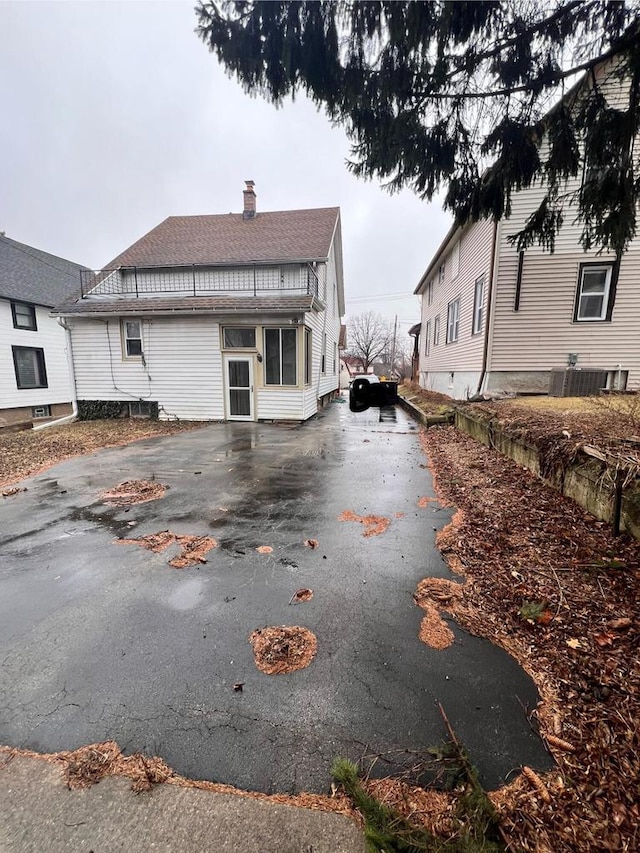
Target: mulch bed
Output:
[(374, 525), (525, 549), (27, 453), (283, 649), (134, 492), (193, 550)]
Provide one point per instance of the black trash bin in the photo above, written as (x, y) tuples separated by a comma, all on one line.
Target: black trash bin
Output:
[(364, 394)]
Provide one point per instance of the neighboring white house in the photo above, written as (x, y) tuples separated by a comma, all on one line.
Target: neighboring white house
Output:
[(497, 320), (36, 381), (223, 317)]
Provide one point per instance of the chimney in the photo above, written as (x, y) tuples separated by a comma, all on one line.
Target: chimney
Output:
[(249, 194)]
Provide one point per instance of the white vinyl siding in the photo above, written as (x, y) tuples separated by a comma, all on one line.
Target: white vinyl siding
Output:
[(51, 338)]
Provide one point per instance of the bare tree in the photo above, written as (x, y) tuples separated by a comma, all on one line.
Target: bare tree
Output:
[(369, 336)]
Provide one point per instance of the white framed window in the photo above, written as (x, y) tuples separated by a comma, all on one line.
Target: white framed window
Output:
[(593, 299), (29, 367), (455, 260), (441, 273), (430, 292), (239, 337), (280, 357), (453, 320), (478, 306), (427, 337), (436, 331), (132, 338)]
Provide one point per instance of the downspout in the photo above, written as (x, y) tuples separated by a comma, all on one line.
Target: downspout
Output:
[(74, 399), (485, 352)]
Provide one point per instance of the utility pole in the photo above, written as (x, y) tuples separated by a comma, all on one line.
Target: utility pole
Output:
[(393, 348)]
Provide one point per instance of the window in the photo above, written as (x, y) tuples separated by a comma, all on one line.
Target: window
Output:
[(427, 337), (308, 356), (323, 367), (436, 331), (440, 273), (41, 412), (594, 300), (453, 321), (24, 316), (478, 305), (243, 338), (139, 409), (430, 292), (280, 357), (132, 335), (455, 260), (28, 363)]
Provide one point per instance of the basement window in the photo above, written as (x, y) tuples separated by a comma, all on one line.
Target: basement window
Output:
[(41, 412), (139, 409)]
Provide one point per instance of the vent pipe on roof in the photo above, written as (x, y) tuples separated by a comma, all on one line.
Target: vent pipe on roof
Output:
[(249, 211)]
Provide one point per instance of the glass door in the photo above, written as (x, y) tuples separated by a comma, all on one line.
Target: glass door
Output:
[(239, 375)]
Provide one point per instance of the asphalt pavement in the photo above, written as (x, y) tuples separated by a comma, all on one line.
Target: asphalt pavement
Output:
[(104, 641)]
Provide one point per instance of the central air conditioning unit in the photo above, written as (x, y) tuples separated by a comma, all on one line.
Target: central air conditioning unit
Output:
[(576, 381)]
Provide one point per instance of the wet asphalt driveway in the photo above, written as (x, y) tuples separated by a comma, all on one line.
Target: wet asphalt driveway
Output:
[(101, 641)]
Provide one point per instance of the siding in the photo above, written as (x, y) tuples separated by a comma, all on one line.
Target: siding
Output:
[(542, 333), (465, 355), (183, 371), (51, 337)]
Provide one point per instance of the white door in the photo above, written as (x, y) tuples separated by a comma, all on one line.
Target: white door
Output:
[(239, 388)]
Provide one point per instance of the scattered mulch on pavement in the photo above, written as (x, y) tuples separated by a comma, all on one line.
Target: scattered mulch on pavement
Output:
[(520, 543), (27, 453), (264, 549), (134, 492), (311, 543), (374, 525), (425, 501), (432, 595), (283, 649), (301, 595), (9, 493), (193, 550), (430, 808)]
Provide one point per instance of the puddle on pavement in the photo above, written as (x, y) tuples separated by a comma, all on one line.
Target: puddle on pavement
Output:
[(187, 595)]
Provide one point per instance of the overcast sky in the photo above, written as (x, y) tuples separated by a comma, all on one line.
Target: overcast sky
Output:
[(115, 115)]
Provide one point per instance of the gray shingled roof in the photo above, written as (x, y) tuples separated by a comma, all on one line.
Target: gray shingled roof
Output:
[(30, 275), (169, 305), (286, 235)]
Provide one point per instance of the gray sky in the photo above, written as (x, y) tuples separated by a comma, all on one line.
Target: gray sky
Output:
[(115, 116)]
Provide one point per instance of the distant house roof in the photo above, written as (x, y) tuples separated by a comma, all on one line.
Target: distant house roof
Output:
[(31, 275), (280, 236)]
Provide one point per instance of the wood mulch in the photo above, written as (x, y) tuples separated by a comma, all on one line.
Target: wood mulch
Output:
[(374, 525), (134, 492), (24, 454), (526, 550), (193, 548), (284, 649)]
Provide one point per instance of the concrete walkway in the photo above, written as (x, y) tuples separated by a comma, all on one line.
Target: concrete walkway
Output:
[(38, 813)]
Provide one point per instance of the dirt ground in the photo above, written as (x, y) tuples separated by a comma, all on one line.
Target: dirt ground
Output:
[(23, 454)]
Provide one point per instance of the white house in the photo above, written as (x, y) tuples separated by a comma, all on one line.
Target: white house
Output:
[(223, 317), (35, 371), (498, 320)]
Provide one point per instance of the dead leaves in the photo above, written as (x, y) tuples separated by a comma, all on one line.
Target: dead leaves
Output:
[(301, 595), (374, 525), (264, 549), (9, 493), (311, 543), (279, 650), (86, 766), (193, 548), (134, 492)]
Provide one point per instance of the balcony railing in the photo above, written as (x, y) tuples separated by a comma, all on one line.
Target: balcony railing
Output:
[(195, 280)]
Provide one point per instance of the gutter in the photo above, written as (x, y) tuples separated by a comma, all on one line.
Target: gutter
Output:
[(485, 352), (67, 419)]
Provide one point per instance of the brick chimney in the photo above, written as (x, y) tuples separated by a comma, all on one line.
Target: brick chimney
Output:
[(249, 211)]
